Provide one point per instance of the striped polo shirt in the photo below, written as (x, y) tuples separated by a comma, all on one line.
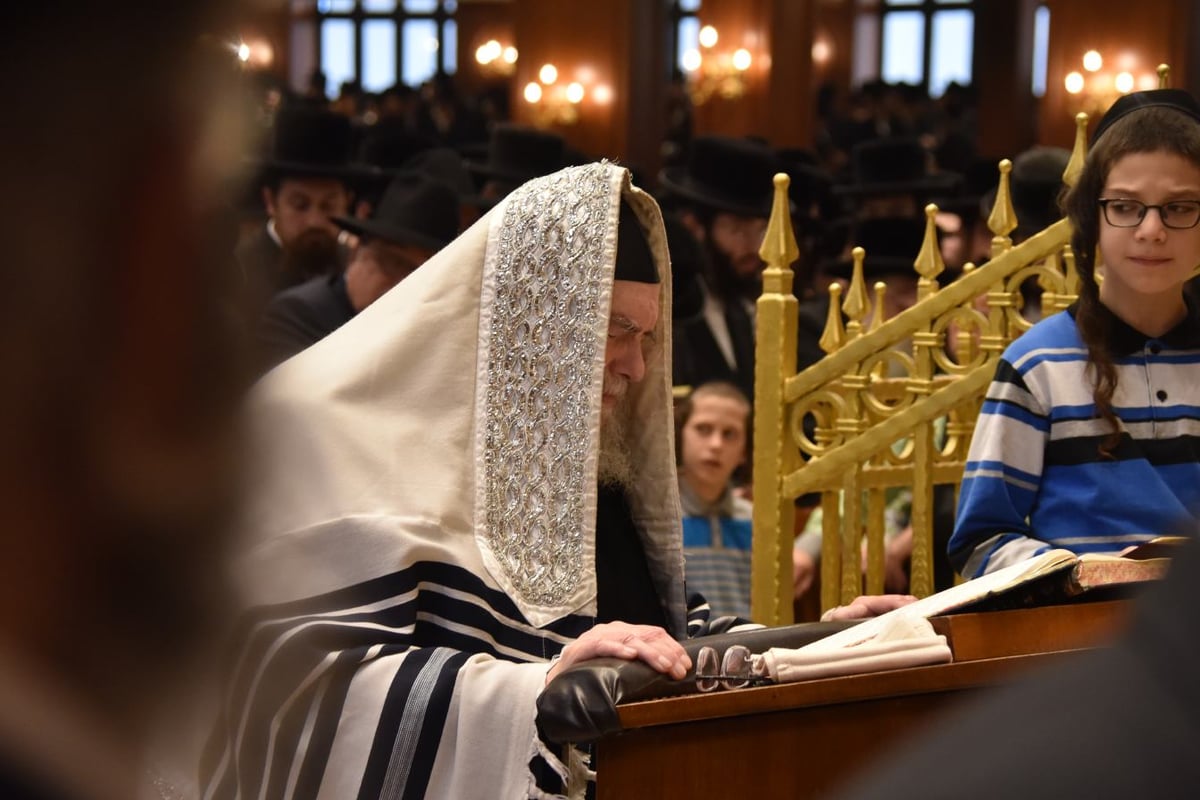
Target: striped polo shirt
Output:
[(1035, 478), (716, 551)]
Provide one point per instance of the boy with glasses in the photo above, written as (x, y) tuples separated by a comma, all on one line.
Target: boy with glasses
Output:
[(1088, 435)]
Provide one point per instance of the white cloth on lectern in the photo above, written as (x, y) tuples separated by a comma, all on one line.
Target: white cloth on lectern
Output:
[(905, 640)]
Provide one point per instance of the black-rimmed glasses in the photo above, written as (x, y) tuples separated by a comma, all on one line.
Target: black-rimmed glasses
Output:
[(735, 670), (1121, 212)]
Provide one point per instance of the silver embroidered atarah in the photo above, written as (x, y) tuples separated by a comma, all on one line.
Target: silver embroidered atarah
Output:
[(544, 341)]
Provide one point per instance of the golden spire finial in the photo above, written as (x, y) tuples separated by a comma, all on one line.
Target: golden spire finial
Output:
[(1164, 72), (779, 248), (857, 303), (929, 263), (834, 333), (877, 318), (1078, 152), (1003, 219)]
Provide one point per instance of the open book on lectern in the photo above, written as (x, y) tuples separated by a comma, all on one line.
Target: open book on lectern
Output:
[(1052, 576)]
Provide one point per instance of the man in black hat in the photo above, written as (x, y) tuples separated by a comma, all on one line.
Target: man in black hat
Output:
[(962, 216), (1035, 184), (383, 152), (892, 178), (416, 217), (723, 196), (306, 182), (447, 165), (516, 154)]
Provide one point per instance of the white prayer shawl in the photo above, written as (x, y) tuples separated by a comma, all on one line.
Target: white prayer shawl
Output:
[(425, 534)]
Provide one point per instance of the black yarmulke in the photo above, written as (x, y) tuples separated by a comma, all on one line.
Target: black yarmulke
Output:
[(1177, 99), (635, 262)]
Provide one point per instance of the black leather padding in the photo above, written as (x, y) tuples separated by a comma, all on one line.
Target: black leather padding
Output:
[(580, 704)]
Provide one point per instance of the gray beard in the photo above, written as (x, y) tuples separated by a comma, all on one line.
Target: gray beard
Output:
[(615, 462)]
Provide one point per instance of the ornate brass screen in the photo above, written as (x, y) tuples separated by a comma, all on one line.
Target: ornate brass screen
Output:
[(874, 432)]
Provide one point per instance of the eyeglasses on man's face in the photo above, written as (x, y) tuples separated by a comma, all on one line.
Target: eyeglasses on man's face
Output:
[(1121, 212), (735, 670)]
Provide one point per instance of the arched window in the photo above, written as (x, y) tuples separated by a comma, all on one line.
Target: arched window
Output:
[(685, 29), (929, 43), (377, 43)]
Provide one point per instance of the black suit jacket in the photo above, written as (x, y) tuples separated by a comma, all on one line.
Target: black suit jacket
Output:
[(302, 316), (697, 359)]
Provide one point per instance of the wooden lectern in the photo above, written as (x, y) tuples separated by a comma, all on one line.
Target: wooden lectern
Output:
[(802, 739)]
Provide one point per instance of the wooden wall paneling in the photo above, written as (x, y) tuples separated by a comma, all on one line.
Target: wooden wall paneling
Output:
[(1003, 70), (622, 44), (779, 100), (1151, 31), (791, 94), (834, 25), (477, 23), (739, 23), (591, 42), (647, 71), (270, 21)]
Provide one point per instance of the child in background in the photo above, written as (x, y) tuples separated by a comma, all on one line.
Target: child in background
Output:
[(711, 433), (1089, 438)]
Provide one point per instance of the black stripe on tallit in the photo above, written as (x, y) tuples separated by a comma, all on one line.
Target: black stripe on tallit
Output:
[(470, 614), (393, 584), (391, 724), (302, 652), (325, 727), (287, 745), (431, 735), (332, 634), (288, 667)]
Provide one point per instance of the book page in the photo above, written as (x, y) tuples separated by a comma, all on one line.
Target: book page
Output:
[(1158, 547), (1002, 580)]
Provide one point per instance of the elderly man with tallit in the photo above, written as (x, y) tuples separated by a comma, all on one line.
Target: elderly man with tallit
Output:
[(467, 488)]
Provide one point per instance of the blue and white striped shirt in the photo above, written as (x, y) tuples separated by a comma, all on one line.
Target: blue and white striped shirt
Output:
[(1035, 478)]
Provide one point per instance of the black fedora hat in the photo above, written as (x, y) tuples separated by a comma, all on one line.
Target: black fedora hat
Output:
[(892, 166), (516, 154), (811, 186), (978, 179), (383, 150), (1178, 99), (445, 164), (725, 174), (415, 210), (389, 143), (310, 142), (1035, 184), (892, 245)]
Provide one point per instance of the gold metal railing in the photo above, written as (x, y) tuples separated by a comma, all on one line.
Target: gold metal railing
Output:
[(872, 432)]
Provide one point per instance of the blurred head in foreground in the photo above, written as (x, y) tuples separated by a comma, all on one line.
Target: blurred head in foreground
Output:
[(118, 466)]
